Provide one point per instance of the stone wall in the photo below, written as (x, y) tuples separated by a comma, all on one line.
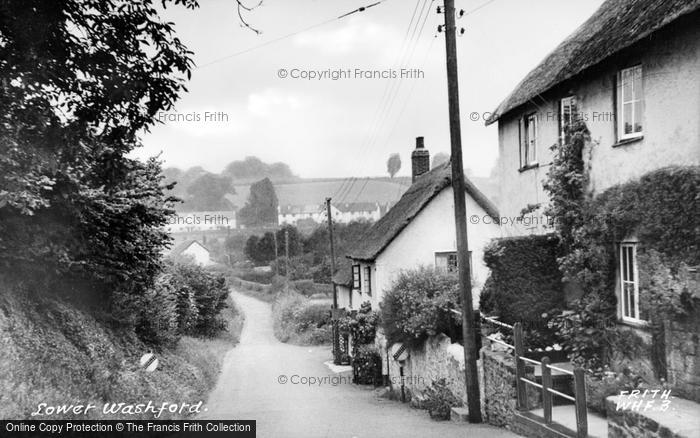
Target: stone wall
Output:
[(679, 421), (439, 358), (678, 355), (436, 359), (682, 351), (499, 393), (499, 387)]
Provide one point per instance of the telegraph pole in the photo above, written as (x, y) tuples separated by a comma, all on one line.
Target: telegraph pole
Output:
[(286, 259), (277, 257), (336, 339), (458, 189)]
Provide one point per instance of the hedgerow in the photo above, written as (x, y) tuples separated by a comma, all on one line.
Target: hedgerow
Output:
[(185, 300), (525, 281)]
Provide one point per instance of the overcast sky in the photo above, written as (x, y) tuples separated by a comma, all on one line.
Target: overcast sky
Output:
[(349, 127)]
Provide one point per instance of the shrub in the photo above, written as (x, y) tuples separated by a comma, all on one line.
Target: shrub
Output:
[(524, 283), (367, 366), (283, 311), (312, 315), (439, 400), (602, 385), (257, 276), (305, 287), (317, 336), (361, 325), (158, 322), (298, 320), (200, 297), (418, 305)]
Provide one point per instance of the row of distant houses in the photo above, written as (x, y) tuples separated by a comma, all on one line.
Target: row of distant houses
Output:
[(344, 212), (633, 77), (195, 221)]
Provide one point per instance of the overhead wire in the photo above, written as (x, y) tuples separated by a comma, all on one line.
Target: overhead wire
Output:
[(289, 35)]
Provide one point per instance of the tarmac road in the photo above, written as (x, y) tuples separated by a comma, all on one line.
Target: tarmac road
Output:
[(265, 380)]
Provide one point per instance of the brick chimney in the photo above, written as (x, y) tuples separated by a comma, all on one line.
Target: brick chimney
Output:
[(420, 160)]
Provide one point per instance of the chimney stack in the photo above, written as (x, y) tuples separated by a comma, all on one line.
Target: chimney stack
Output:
[(420, 160)]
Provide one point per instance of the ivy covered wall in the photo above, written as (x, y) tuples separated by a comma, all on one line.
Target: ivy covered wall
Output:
[(660, 212)]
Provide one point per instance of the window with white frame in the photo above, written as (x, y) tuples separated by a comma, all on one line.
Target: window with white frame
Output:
[(356, 277), (368, 280), (567, 115), (446, 261), (528, 140), (629, 283), (630, 103)]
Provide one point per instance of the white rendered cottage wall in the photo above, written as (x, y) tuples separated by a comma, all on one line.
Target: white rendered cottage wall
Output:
[(433, 230), (198, 253)]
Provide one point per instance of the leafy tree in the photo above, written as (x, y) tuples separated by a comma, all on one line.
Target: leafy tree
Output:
[(295, 240), (253, 169), (393, 164), (234, 247), (261, 206), (266, 247), (440, 158), (200, 297), (345, 236), (261, 249), (251, 248), (79, 80), (208, 193)]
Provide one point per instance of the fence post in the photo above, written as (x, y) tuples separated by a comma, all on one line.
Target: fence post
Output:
[(581, 411), (546, 395), (519, 366)]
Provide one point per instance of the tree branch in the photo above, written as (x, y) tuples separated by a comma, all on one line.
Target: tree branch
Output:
[(243, 7)]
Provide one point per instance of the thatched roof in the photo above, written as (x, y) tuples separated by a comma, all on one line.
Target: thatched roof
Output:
[(343, 276), (426, 187), (616, 25)]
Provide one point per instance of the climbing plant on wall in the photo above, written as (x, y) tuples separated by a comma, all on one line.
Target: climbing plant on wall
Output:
[(660, 210)]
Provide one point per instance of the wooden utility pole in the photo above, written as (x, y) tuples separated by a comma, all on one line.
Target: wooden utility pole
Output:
[(286, 259), (277, 257), (335, 334), (458, 189)]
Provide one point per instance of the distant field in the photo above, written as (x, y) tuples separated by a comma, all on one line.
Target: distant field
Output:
[(305, 192)]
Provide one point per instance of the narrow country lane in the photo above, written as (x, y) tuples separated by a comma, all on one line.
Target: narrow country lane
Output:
[(250, 388)]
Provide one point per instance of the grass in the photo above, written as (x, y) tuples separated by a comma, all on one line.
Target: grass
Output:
[(58, 354), (301, 321)]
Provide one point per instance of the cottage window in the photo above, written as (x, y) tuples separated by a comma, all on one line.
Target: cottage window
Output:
[(630, 103), (629, 283), (567, 115), (356, 277), (368, 280), (447, 261), (528, 141)]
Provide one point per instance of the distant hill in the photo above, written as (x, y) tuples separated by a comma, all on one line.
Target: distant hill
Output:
[(290, 189), (380, 189)]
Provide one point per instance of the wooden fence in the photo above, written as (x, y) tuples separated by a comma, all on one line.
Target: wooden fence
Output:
[(548, 392)]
